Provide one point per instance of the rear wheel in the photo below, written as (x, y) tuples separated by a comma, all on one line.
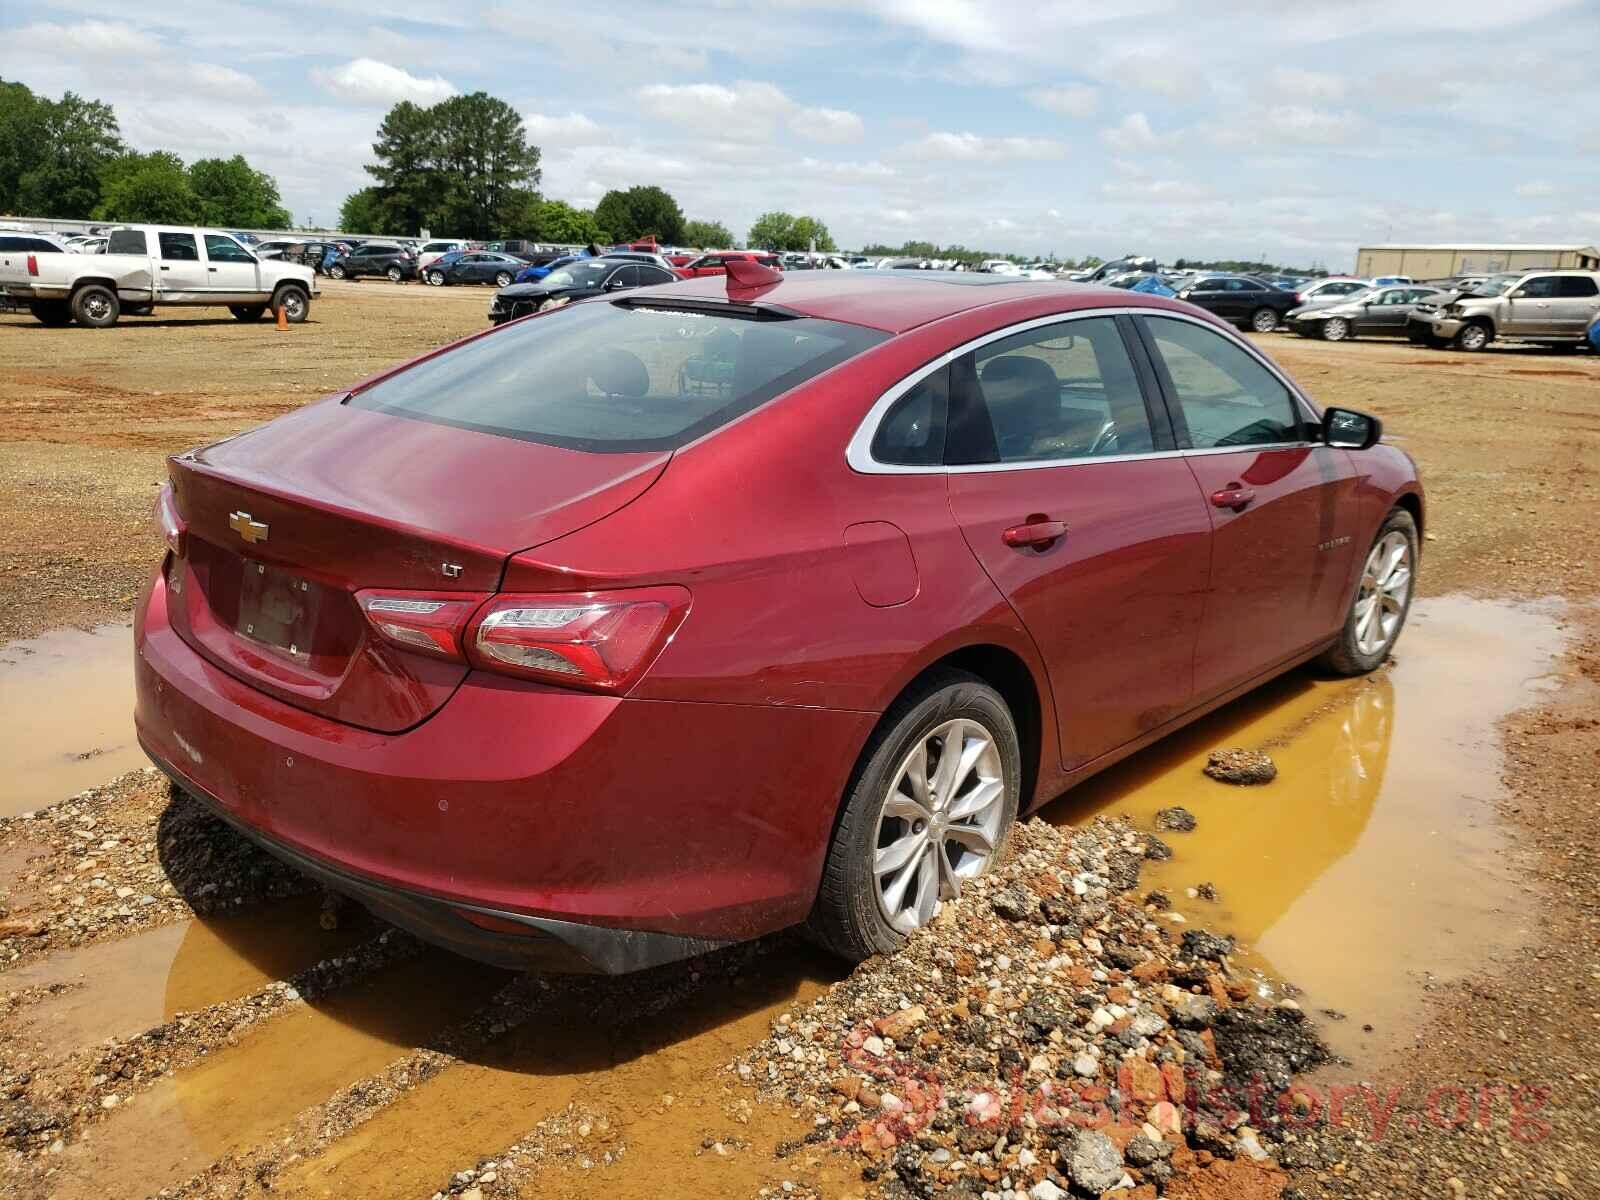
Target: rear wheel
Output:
[(395, 274), (96, 306), (1336, 329), (436, 278), (295, 303), (929, 807), (503, 279), (248, 312), (1472, 337), (1263, 320), (1382, 600), (54, 313), (338, 271)]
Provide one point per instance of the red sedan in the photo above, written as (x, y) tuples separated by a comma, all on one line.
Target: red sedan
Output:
[(665, 620)]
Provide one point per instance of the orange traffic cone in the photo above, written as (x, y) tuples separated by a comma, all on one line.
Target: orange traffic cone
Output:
[(283, 321)]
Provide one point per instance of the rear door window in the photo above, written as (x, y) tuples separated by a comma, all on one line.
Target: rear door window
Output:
[(616, 377), (1062, 391), (1226, 397), (179, 247), (1573, 287)]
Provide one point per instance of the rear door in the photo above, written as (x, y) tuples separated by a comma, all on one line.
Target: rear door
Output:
[(1577, 299), (1281, 505), (180, 269), (1063, 478)]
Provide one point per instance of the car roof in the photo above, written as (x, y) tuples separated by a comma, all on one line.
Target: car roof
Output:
[(897, 301)]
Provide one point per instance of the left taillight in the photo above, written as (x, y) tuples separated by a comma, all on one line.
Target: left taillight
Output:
[(600, 641), (167, 518), (33, 265)]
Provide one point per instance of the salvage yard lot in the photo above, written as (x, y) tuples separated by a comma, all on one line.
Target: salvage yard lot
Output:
[(403, 1068)]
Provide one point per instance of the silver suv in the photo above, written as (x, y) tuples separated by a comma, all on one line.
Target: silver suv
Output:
[(1554, 307)]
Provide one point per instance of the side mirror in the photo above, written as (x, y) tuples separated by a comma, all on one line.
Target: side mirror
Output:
[(615, 284), (1520, 294), (1347, 429)]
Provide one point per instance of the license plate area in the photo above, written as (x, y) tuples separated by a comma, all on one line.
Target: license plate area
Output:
[(280, 610)]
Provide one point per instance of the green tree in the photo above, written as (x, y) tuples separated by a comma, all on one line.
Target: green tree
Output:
[(407, 182), (80, 138), (365, 212), (22, 139), (708, 235), (234, 193), (152, 188), (558, 221), (641, 211), (784, 231)]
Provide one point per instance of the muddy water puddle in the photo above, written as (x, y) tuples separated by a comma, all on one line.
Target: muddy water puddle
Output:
[(1375, 864), (66, 714), (120, 989)]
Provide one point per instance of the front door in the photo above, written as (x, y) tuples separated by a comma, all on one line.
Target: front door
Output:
[(1387, 311), (1065, 484), (1530, 309), (231, 271), (1281, 505)]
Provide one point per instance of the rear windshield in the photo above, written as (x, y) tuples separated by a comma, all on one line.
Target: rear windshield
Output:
[(126, 241), (615, 378)]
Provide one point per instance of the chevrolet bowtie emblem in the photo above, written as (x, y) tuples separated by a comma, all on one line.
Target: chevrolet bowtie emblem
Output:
[(250, 530)]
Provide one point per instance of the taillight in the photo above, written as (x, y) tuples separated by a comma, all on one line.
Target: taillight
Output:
[(430, 623), (599, 640), (171, 524), (33, 264)]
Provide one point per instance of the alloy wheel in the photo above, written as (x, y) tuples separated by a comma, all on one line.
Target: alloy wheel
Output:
[(503, 279), (940, 822), (1474, 337), (293, 305), (1265, 321), (1336, 329), (96, 307), (1385, 591)]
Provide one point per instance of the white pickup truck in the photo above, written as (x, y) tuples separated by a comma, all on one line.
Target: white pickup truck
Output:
[(147, 265)]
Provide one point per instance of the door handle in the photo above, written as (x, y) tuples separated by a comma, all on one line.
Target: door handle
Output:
[(1234, 496), (213, 270), (166, 268), (1039, 533)]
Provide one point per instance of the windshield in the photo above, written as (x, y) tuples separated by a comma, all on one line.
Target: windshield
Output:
[(613, 378), (580, 274), (1494, 285)]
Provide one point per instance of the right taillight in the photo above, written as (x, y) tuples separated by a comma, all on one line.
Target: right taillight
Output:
[(33, 264), (167, 518), (602, 641)]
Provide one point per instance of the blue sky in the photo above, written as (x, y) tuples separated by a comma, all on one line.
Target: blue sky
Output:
[(1293, 131)]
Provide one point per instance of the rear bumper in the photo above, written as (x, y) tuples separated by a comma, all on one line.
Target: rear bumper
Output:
[(699, 822)]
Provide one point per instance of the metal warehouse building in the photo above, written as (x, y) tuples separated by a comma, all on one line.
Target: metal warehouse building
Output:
[(1437, 262)]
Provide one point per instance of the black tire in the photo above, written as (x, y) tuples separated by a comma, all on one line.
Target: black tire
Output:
[(248, 312), (436, 278), (95, 306), (338, 271), (295, 303), (503, 279), (395, 274), (847, 918), (1472, 337), (1345, 656), (1264, 320), (54, 313)]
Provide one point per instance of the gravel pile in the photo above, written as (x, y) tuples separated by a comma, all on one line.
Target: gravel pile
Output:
[(1047, 1036), (1244, 767)]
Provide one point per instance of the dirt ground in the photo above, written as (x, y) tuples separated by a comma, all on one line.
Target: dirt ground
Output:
[(155, 979)]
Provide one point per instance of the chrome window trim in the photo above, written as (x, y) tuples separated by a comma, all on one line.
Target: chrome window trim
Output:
[(858, 453)]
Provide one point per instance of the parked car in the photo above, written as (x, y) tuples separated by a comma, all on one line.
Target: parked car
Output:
[(87, 244), (432, 251), (276, 248), (1325, 290), (312, 254), (1240, 299), (473, 266), (518, 248), (1544, 306), (1419, 325), (615, 671), (1387, 280), (534, 272), (578, 280), (149, 265), (395, 262), (1378, 310), (715, 262)]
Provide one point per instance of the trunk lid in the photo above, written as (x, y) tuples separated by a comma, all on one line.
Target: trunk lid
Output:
[(286, 523)]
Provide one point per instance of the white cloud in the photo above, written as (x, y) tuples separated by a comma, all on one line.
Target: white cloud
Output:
[(847, 172), (368, 81), (572, 129), (744, 111), (1070, 100), (1535, 190), (1307, 85), (1133, 132), (971, 147), (86, 40), (1311, 126), (832, 125)]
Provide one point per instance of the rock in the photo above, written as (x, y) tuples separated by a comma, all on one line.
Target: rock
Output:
[(1195, 1012), (874, 1046), (1014, 904), (1155, 849), (899, 1025), (1141, 1151), (848, 1086), (1176, 819), (472, 1193), (1197, 943), (1086, 1065), (1207, 891), (1147, 1023), (1092, 1162), (1045, 1190), (1239, 766)]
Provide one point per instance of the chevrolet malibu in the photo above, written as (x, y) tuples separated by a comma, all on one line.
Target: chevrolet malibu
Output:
[(669, 619)]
